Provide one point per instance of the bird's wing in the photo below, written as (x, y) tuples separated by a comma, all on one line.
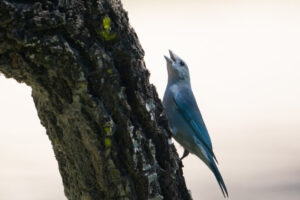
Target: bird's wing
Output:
[(186, 105)]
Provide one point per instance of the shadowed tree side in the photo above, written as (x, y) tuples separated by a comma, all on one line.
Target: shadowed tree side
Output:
[(91, 89)]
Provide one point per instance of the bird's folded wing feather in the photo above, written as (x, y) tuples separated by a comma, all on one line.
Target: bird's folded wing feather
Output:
[(186, 104)]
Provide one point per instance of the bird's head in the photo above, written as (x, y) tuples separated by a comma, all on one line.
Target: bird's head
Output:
[(177, 69)]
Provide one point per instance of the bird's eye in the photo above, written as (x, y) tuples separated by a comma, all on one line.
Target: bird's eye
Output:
[(181, 63)]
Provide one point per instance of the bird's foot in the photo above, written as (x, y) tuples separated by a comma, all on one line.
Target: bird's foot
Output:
[(185, 154)]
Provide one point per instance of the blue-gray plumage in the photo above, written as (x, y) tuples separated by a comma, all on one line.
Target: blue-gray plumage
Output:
[(185, 119)]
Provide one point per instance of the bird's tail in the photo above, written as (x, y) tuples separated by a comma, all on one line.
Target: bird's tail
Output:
[(218, 176), (202, 152)]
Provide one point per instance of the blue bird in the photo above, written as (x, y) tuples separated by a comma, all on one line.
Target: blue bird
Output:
[(185, 119)]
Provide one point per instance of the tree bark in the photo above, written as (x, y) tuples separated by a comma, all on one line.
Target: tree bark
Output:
[(91, 89)]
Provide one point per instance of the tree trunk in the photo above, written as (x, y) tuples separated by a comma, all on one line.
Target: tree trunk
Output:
[(91, 89)]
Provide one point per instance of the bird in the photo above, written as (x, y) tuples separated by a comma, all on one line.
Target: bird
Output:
[(185, 120)]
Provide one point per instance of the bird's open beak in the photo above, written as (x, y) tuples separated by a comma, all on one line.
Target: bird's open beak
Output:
[(172, 57)]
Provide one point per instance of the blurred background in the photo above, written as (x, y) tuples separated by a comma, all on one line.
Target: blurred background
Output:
[(244, 62)]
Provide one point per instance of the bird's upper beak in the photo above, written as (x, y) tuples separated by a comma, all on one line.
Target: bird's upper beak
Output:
[(172, 57)]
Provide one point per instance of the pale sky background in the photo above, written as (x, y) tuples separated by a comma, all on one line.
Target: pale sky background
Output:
[(244, 60)]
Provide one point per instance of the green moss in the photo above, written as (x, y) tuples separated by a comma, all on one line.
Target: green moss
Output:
[(107, 130), (107, 142), (109, 71), (106, 23), (106, 33)]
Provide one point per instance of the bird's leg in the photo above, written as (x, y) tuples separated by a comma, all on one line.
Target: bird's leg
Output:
[(185, 154)]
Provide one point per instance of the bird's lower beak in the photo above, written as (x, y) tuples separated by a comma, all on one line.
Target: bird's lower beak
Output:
[(168, 60)]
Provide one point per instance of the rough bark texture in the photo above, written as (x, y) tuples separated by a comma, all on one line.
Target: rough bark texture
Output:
[(90, 86)]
